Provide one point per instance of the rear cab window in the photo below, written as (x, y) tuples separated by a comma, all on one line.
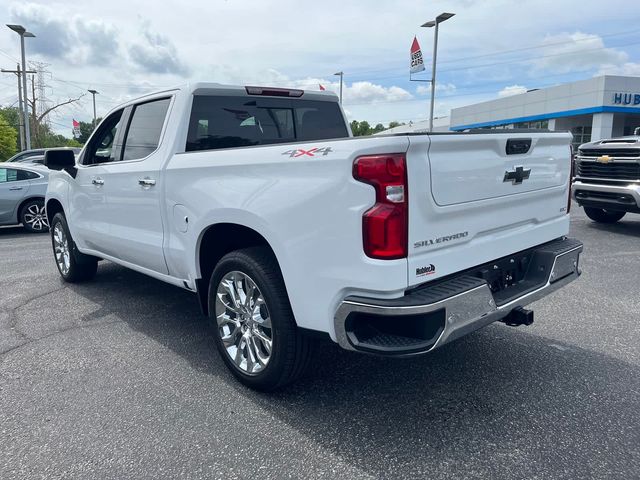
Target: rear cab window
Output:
[(241, 121)]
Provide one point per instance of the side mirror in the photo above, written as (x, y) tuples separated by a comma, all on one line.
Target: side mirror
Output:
[(59, 159)]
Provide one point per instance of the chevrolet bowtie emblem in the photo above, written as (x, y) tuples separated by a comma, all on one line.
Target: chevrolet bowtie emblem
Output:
[(517, 175), (604, 159)]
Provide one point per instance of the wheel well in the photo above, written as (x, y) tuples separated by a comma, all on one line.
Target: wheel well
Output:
[(24, 202), (53, 207), (217, 241)]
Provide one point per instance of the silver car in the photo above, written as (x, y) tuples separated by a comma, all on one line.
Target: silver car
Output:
[(22, 190), (25, 156)]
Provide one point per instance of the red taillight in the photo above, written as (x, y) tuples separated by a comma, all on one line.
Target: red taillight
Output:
[(385, 225)]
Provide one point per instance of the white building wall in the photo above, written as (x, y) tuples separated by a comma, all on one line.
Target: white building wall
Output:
[(602, 126)]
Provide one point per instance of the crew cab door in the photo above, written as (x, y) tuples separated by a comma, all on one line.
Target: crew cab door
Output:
[(88, 207), (132, 187)]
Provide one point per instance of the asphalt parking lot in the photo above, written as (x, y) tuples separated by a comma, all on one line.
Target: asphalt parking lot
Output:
[(119, 378)]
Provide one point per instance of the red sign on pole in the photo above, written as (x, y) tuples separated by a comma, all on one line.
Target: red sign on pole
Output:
[(417, 63)]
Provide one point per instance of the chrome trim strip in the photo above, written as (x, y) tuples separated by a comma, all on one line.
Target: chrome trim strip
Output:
[(600, 179), (613, 159)]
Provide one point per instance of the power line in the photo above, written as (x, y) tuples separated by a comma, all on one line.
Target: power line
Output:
[(507, 62), (2, 52), (515, 50)]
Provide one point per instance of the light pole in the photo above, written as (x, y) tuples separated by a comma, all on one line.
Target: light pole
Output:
[(20, 30), (434, 23), (94, 92), (341, 75)]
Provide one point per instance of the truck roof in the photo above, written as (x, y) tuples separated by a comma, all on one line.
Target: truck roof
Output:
[(213, 88)]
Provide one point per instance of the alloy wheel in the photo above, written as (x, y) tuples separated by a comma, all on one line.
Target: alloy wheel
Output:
[(61, 249), (36, 217), (243, 322)]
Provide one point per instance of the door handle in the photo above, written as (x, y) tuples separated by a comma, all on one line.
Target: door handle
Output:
[(15, 188), (146, 182), (97, 181)]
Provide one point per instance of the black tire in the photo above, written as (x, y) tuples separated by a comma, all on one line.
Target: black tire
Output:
[(33, 217), (603, 216), (81, 267), (290, 350)]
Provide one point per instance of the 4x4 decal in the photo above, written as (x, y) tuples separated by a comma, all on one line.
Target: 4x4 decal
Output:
[(312, 152)]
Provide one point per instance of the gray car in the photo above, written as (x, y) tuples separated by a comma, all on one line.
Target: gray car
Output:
[(22, 190)]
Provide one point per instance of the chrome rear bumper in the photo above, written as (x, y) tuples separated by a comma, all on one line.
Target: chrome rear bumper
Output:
[(439, 313)]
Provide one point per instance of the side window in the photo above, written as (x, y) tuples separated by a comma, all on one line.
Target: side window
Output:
[(145, 127), (101, 148), (25, 175), (8, 175)]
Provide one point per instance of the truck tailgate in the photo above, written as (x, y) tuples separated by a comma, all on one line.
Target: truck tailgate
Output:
[(470, 202), (473, 167)]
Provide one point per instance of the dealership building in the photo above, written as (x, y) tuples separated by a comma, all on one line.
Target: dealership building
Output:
[(600, 107)]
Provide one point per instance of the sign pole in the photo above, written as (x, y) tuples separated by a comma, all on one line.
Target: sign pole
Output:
[(433, 78)]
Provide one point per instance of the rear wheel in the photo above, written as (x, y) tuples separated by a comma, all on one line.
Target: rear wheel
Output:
[(33, 216), (254, 327), (73, 265), (601, 215)]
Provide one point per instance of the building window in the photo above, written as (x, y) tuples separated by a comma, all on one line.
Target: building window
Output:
[(580, 135), (540, 124)]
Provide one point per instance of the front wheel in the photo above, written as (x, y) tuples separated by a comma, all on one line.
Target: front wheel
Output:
[(254, 327), (73, 265), (601, 215)]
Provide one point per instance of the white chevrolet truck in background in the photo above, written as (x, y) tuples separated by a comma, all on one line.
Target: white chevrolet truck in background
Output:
[(607, 178), (287, 227)]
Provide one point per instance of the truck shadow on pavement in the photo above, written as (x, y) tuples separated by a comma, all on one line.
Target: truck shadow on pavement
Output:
[(15, 230), (499, 403)]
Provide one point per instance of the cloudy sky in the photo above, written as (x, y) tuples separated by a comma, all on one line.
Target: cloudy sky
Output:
[(491, 48)]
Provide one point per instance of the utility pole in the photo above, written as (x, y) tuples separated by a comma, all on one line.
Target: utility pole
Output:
[(21, 104), (94, 92), (341, 75), (20, 30), (434, 23), (34, 99)]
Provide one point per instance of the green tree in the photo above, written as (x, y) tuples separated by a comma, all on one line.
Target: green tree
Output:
[(363, 128), (360, 128), (12, 117), (395, 124), (8, 139)]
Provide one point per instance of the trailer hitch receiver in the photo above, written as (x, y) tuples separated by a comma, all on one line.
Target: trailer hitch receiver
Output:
[(518, 316)]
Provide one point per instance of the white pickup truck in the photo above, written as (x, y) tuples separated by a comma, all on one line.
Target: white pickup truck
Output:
[(261, 201)]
